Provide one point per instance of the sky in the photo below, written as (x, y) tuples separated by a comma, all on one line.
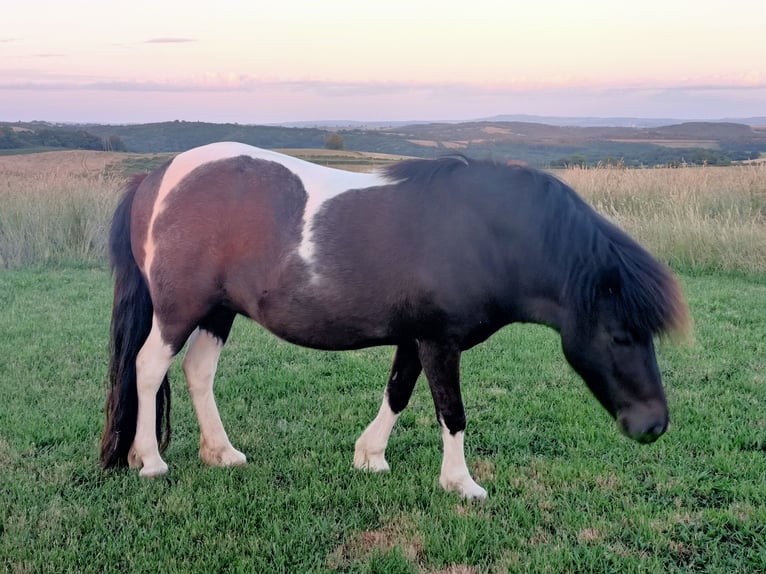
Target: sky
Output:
[(254, 61)]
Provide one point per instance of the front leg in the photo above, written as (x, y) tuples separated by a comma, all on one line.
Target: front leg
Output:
[(370, 449), (441, 364)]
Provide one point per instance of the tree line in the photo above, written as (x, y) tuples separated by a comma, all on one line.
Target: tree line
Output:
[(57, 137)]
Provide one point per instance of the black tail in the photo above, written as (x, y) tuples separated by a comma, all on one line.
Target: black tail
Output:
[(131, 322)]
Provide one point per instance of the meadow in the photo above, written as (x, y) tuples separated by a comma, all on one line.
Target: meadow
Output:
[(695, 219), (567, 493)]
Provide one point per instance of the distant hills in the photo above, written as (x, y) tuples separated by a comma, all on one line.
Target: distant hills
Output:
[(620, 121), (526, 118), (629, 141)]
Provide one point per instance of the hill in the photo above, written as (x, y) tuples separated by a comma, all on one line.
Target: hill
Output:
[(714, 143)]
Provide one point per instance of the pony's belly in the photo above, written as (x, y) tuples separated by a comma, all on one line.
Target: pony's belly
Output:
[(319, 323), (330, 335)]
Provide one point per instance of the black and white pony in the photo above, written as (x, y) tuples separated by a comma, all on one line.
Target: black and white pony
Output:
[(430, 256)]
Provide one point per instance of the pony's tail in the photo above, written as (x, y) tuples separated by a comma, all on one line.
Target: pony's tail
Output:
[(131, 322)]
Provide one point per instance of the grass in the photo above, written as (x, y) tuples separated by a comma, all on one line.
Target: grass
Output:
[(567, 493), (711, 219), (344, 159), (55, 207), (26, 150)]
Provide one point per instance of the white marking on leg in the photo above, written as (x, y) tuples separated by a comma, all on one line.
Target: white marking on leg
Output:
[(321, 184), (454, 473), (370, 449), (152, 364), (199, 365)]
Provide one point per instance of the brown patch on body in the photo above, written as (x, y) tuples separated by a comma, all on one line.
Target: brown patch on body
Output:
[(219, 238)]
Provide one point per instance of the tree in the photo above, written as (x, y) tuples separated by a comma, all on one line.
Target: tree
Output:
[(114, 143), (8, 138), (334, 141)]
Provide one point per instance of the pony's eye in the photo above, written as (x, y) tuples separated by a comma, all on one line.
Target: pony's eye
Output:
[(621, 339)]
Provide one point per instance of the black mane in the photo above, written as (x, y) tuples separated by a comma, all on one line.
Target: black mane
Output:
[(590, 252), (424, 171), (597, 258)]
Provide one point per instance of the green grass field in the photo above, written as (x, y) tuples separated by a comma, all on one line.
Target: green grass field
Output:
[(566, 492)]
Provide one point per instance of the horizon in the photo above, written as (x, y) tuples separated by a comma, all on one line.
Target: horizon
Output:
[(758, 122), (345, 62)]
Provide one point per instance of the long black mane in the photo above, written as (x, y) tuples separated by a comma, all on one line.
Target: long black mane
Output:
[(589, 251), (597, 258)]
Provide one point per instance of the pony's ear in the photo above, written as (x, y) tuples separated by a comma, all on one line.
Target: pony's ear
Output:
[(610, 282)]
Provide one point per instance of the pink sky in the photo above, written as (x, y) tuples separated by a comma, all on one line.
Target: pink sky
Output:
[(258, 62)]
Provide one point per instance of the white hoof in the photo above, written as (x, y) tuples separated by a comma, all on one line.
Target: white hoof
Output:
[(233, 457), (227, 456), (157, 468), (465, 486), (150, 466), (371, 461)]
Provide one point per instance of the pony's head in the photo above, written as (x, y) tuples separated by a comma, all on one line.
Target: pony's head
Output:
[(610, 343)]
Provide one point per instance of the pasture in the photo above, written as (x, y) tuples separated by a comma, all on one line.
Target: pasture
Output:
[(566, 491)]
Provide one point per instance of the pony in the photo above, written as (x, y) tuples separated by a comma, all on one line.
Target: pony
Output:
[(429, 256)]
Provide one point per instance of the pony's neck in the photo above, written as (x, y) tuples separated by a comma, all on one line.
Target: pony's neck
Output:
[(543, 311)]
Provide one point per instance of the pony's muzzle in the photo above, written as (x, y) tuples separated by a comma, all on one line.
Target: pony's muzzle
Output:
[(644, 423)]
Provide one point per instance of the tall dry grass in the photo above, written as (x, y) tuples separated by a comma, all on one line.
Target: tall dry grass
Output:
[(57, 207), (694, 218), (54, 211)]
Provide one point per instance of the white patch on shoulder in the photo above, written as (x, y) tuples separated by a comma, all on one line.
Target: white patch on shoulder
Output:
[(321, 183)]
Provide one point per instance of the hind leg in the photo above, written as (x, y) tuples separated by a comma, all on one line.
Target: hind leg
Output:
[(152, 364), (370, 449), (199, 366)]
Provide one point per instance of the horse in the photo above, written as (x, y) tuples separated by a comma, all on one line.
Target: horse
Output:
[(431, 256)]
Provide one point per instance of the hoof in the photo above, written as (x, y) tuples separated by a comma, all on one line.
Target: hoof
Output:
[(465, 486), (150, 466), (372, 462), (229, 456), (153, 470)]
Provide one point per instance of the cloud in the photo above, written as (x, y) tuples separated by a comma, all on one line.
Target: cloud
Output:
[(168, 40)]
